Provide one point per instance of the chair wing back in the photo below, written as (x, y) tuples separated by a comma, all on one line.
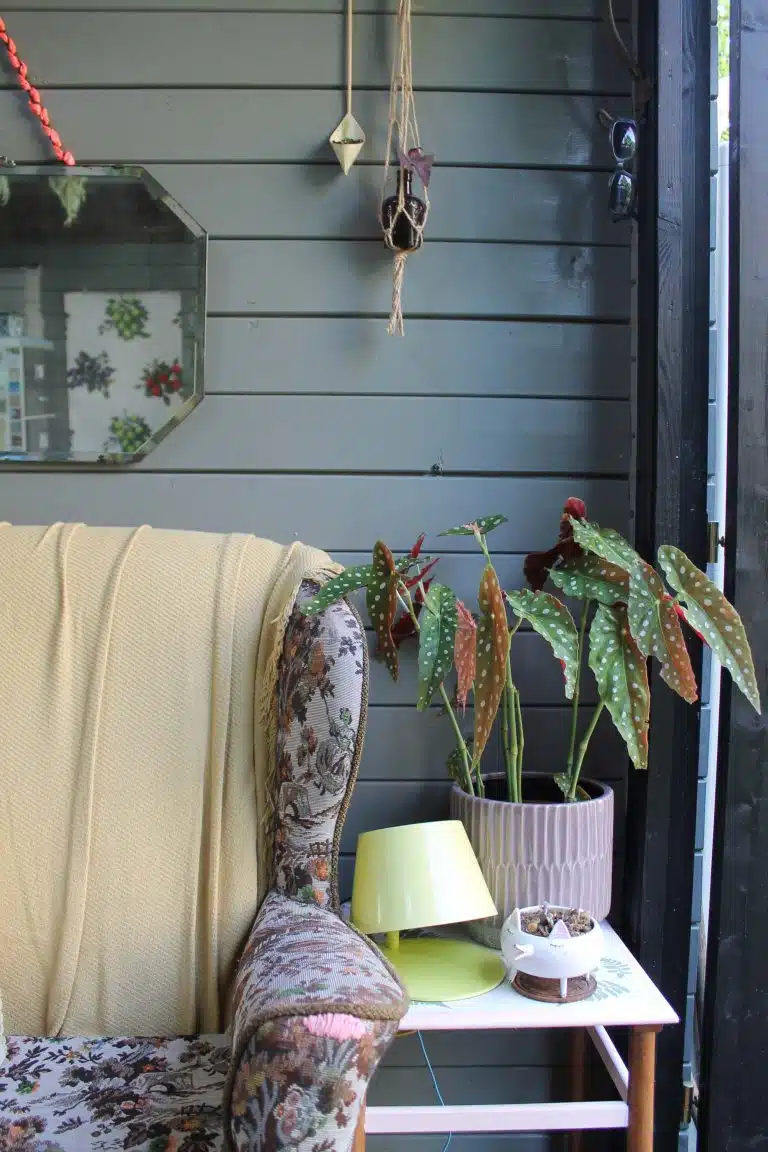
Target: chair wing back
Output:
[(322, 708)]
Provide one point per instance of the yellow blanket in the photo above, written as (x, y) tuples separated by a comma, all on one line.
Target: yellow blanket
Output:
[(138, 671)]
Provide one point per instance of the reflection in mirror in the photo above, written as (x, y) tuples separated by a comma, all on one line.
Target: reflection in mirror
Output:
[(102, 317)]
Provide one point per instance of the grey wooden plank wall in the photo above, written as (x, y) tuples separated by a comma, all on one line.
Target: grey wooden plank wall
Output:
[(509, 393)]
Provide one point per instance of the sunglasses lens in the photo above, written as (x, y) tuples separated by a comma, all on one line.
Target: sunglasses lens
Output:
[(624, 140), (621, 194)]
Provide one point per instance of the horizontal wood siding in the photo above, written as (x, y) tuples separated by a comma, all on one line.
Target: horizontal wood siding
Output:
[(509, 393)]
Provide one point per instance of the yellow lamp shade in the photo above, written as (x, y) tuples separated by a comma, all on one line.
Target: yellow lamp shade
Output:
[(417, 876)]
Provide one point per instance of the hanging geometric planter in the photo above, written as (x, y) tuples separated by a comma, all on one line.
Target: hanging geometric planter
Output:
[(404, 214), (347, 141), (348, 137)]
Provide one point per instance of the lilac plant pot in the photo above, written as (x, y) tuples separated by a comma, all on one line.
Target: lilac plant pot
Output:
[(535, 852)]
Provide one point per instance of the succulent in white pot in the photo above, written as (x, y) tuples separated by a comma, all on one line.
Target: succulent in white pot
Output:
[(551, 943)]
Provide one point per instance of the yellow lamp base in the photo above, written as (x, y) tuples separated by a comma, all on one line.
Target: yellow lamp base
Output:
[(437, 969)]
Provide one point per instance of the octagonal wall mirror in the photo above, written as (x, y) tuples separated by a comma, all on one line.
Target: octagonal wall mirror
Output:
[(102, 317)]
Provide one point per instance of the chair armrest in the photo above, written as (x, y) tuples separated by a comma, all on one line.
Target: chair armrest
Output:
[(315, 1008)]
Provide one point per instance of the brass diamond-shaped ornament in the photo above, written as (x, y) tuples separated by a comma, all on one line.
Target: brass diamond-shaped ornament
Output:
[(347, 140)]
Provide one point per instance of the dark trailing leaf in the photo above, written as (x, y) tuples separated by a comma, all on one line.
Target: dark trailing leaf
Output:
[(553, 621), (347, 581), (436, 639), (656, 629), (484, 525), (537, 565), (492, 648), (709, 613), (592, 578), (381, 601), (622, 678)]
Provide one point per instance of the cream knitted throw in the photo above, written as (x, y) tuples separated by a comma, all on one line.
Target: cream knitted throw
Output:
[(138, 671)]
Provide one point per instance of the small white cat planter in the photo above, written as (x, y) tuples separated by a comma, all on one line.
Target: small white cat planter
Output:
[(558, 956)]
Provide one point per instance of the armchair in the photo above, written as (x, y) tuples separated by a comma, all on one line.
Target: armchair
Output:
[(313, 1004)]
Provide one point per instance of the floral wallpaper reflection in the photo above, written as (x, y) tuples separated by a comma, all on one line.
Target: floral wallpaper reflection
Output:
[(124, 367)]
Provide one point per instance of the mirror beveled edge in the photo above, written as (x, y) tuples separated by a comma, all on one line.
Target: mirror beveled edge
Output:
[(10, 461)]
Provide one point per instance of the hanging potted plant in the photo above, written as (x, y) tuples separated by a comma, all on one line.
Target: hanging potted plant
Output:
[(540, 839)]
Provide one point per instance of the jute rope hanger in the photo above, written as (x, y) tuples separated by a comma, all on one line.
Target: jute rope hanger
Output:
[(403, 218)]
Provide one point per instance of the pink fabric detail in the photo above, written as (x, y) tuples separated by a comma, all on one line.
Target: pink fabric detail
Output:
[(339, 1027)]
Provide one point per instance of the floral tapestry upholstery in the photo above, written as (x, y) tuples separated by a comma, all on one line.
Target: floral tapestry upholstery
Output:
[(72, 1095), (303, 961), (300, 1083), (314, 1003), (322, 702)]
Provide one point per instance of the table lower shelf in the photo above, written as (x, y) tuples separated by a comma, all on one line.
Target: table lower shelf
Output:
[(560, 1116), (567, 1116)]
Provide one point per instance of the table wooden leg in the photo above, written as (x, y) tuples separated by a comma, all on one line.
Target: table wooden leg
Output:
[(642, 1075), (359, 1141), (578, 1075)]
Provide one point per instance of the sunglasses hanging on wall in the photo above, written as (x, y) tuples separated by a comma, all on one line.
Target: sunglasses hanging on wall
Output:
[(622, 186)]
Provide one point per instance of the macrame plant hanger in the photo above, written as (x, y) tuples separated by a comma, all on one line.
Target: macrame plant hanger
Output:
[(404, 215), (70, 189), (348, 137)]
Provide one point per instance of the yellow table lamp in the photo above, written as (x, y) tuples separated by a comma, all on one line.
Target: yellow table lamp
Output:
[(420, 876)]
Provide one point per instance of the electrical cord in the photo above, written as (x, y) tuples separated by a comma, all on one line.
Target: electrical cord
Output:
[(438, 1093)]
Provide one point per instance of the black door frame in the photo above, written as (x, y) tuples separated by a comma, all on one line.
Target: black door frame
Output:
[(674, 45), (733, 1112)]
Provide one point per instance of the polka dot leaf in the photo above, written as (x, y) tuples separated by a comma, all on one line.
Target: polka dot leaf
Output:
[(589, 577), (381, 601), (709, 613), (492, 646), (436, 639), (484, 525), (465, 653), (621, 673), (606, 543), (656, 629), (553, 621), (347, 581)]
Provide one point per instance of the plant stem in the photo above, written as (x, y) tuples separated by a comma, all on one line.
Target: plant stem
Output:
[(509, 690), (583, 750), (404, 597), (462, 746), (520, 746), (505, 723), (576, 691)]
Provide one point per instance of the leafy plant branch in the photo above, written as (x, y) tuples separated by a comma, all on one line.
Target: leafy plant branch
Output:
[(627, 617)]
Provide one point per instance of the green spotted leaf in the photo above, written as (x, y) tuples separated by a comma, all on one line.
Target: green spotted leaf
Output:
[(553, 621), (605, 542), (436, 639), (622, 678), (492, 646), (717, 622), (485, 525), (381, 601), (589, 577), (655, 626), (347, 581)]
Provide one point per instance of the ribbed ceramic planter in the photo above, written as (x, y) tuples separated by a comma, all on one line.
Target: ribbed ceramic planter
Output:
[(529, 853)]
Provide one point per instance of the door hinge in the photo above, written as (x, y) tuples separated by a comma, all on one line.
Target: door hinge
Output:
[(714, 541), (687, 1105)]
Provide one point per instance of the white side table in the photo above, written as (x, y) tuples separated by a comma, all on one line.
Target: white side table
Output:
[(625, 997)]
